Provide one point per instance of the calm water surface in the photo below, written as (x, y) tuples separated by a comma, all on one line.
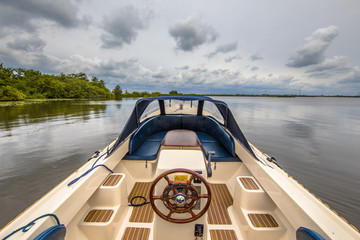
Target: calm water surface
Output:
[(316, 140)]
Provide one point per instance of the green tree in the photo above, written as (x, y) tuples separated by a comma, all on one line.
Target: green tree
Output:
[(117, 91), (94, 79), (18, 84), (145, 94), (79, 75), (136, 94), (173, 92), (155, 94), (9, 93)]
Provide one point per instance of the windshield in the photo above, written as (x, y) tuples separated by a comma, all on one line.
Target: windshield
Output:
[(177, 106), (211, 110), (152, 109), (174, 106)]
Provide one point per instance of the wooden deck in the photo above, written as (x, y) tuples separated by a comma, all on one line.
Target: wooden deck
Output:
[(223, 235), (263, 220), (249, 183), (221, 200), (112, 180), (134, 233), (144, 213), (99, 215)]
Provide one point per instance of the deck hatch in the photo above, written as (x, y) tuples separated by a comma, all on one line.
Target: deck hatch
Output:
[(261, 220), (112, 180), (249, 183), (99, 215), (132, 233), (221, 200), (143, 213), (223, 234)]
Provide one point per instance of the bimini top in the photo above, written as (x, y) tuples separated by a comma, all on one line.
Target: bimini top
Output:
[(182, 105)]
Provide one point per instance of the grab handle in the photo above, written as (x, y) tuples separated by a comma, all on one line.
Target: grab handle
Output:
[(208, 167)]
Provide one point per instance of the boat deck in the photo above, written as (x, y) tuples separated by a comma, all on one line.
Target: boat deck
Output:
[(217, 213), (142, 213), (137, 233), (239, 209)]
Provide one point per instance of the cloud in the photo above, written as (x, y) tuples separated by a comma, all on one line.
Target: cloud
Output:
[(231, 58), (330, 67), (160, 73), (13, 19), (224, 48), (122, 27), (30, 44), (255, 57), (25, 15), (254, 68), (312, 52), (200, 78), (191, 33), (353, 78), (132, 75), (336, 73)]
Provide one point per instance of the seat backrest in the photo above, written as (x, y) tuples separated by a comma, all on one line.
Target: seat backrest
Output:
[(151, 126), (212, 127)]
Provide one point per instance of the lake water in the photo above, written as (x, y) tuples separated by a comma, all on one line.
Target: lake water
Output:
[(316, 140)]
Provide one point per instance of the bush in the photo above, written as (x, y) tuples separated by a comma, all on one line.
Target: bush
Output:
[(9, 93)]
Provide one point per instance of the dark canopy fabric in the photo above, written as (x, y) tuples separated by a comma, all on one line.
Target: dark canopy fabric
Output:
[(134, 120)]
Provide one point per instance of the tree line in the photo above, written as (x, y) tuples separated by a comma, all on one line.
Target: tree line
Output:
[(117, 91), (19, 84)]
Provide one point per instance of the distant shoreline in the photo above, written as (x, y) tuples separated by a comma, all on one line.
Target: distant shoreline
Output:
[(34, 101), (279, 95)]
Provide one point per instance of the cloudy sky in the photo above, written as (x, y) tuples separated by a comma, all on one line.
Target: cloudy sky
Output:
[(201, 46)]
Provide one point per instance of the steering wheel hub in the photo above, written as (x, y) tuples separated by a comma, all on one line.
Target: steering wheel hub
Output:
[(180, 199)]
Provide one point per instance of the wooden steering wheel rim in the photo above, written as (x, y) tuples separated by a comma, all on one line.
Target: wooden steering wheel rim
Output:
[(186, 220)]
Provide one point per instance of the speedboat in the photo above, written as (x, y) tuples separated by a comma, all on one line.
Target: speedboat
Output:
[(180, 169)]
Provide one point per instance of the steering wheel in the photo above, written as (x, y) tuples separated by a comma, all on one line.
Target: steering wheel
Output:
[(180, 196)]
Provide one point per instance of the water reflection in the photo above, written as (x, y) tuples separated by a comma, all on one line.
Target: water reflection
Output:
[(38, 112), (298, 130), (303, 139)]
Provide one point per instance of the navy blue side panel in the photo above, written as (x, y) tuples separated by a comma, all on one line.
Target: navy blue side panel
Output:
[(141, 134), (158, 137), (209, 143), (236, 132), (204, 137), (307, 234), (54, 233), (212, 127)]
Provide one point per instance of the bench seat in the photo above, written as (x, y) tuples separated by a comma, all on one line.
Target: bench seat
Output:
[(145, 143), (149, 149), (209, 143)]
